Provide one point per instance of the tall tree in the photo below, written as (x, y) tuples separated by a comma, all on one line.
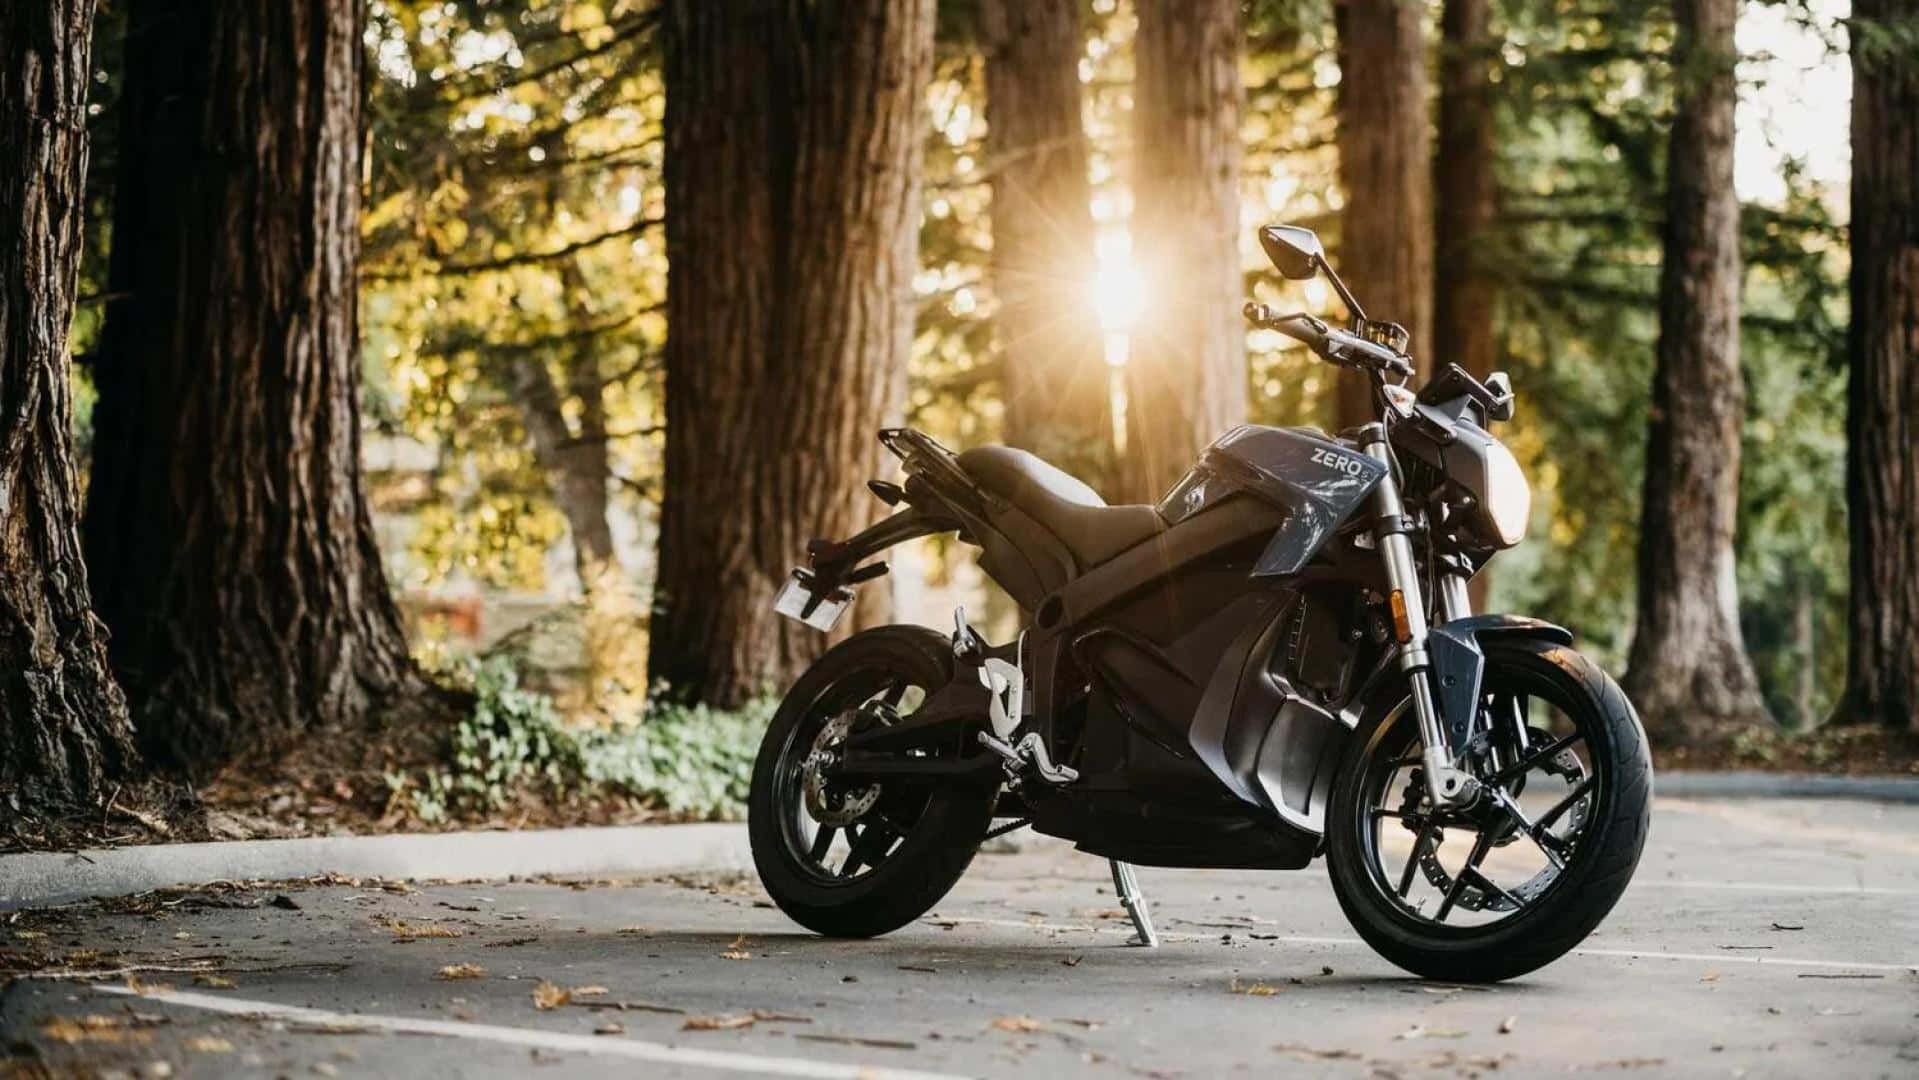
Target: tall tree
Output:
[(1464, 190), (1882, 406), (1186, 371), (793, 146), (226, 529), (63, 722), (1385, 167), (1689, 673), (1057, 387)]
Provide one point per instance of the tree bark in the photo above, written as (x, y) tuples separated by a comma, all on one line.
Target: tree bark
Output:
[(576, 463), (1464, 191), (1689, 673), (1186, 368), (226, 528), (793, 148), (1385, 165), (1882, 406), (63, 722), (1057, 388)]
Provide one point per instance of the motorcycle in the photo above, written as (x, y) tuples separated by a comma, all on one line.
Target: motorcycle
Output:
[(1276, 661)]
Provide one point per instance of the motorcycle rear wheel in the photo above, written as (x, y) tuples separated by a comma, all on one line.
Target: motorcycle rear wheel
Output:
[(1590, 780), (886, 852)]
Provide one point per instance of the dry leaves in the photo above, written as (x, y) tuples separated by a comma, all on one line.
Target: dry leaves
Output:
[(208, 1044), (737, 950), (213, 982), (462, 971), (406, 931), (742, 1020), (548, 996), (611, 1027), (1257, 989), (1019, 1024), (91, 1028)]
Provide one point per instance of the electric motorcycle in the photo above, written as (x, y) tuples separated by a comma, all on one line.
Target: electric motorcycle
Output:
[(1276, 661)]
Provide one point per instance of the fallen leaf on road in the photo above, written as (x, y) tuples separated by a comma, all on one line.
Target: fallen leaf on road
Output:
[(736, 954), (91, 1028), (587, 991), (1257, 989), (208, 1044), (1506, 1025), (611, 1027), (548, 996), (1090, 1025), (1023, 1024), (1072, 961), (142, 987), (718, 1023), (406, 931), (1710, 976), (462, 971), (213, 982)]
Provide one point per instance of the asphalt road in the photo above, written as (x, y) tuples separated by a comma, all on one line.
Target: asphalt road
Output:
[(1761, 938)]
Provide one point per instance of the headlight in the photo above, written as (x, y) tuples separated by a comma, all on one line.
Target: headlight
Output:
[(1509, 499)]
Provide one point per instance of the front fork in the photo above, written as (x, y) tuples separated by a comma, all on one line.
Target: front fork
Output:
[(1447, 785)]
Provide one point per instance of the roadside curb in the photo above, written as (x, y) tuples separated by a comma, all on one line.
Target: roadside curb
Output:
[(1763, 785), (38, 880)]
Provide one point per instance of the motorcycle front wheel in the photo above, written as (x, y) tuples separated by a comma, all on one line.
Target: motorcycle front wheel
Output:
[(1512, 882)]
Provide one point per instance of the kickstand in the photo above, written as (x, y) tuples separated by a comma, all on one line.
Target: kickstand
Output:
[(1126, 884)]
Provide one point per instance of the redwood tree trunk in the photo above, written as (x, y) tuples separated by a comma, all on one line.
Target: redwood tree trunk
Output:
[(793, 146), (1058, 391), (1463, 190), (226, 529), (1689, 673), (1385, 165), (1882, 413), (1186, 370), (63, 723)]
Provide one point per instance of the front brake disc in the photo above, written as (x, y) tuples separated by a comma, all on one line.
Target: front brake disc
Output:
[(1564, 764)]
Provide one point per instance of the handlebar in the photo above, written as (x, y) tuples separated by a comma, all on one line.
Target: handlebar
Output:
[(1334, 345)]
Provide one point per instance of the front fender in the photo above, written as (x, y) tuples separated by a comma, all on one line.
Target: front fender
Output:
[(1458, 664)]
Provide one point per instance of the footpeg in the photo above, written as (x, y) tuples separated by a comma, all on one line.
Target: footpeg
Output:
[(1030, 750), (1126, 886)]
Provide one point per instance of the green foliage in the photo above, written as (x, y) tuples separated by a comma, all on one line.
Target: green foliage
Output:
[(686, 761)]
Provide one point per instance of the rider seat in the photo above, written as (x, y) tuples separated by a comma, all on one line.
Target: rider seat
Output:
[(1093, 531)]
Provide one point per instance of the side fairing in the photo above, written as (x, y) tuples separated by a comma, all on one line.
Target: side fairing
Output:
[(1319, 482)]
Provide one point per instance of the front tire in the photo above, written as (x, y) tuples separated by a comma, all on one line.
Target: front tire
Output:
[(1469, 927), (887, 852)]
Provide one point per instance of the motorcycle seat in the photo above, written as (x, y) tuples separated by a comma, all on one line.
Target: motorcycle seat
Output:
[(1062, 503)]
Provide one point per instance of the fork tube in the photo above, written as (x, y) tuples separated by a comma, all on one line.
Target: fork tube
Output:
[(1445, 784), (1455, 602)]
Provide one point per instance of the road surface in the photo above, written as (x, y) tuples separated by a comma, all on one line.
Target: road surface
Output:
[(1761, 938)]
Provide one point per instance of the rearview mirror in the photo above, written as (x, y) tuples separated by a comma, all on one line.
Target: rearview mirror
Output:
[(1296, 252), (1501, 387)]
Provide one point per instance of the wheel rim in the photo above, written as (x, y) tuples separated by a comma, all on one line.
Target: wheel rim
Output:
[(838, 834), (1467, 872)]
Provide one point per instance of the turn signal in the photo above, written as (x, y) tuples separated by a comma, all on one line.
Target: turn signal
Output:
[(1400, 625)]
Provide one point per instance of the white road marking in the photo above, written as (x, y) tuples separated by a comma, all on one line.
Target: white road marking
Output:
[(1767, 886), (603, 1045), (1304, 939)]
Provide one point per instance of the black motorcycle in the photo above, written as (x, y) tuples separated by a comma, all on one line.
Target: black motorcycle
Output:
[(1277, 660)]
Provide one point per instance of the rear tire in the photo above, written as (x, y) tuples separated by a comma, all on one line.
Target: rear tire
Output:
[(1596, 871), (942, 822)]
